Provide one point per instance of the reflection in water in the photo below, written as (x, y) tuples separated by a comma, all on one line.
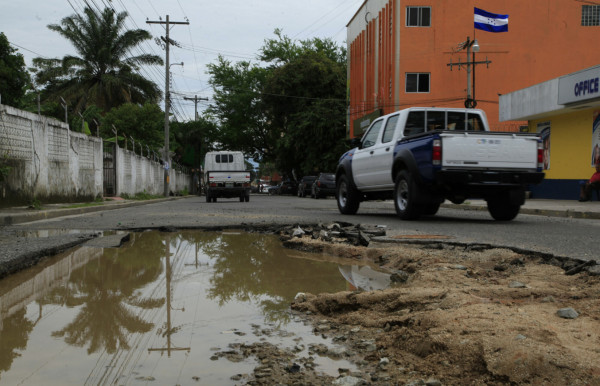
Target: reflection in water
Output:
[(108, 316), (365, 278)]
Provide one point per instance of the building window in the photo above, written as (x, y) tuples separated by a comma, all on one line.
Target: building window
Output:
[(590, 15), (418, 16), (417, 82)]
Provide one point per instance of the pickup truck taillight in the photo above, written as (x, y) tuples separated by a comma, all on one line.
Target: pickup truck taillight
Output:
[(540, 155), (436, 155)]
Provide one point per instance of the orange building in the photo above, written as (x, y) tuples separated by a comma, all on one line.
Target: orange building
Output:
[(404, 53)]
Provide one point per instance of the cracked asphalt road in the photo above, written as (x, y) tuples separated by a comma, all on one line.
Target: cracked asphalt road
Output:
[(23, 244)]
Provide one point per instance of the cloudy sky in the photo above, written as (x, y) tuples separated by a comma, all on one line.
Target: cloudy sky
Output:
[(234, 28)]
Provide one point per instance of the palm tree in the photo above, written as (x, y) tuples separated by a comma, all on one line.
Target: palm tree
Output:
[(103, 74)]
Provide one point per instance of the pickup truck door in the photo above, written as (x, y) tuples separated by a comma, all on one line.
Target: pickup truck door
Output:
[(371, 165), (362, 156)]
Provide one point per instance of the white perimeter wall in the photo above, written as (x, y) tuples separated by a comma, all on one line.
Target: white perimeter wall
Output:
[(136, 174), (53, 164), (48, 160)]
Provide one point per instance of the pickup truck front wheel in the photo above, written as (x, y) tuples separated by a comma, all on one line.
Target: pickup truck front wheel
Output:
[(348, 197), (405, 193), (502, 210)]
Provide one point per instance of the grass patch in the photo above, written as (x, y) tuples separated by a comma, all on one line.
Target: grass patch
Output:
[(35, 204), (140, 196), (82, 205)]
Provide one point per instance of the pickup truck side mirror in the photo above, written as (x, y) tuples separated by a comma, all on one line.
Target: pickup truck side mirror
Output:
[(355, 142)]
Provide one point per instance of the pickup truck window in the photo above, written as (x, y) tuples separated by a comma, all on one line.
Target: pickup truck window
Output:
[(415, 123), (371, 136), (442, 120), (436, 120), (390, 128), (457, 120)]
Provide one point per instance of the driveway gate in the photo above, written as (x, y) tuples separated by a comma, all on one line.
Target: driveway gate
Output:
[(110, 170)]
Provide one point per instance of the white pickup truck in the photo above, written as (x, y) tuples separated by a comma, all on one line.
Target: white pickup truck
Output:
[(225, 175), (420, 157)]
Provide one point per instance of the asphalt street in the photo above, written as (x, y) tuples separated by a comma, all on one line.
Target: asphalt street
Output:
[(549, 231)]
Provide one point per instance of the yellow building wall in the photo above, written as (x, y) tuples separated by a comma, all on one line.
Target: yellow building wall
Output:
[(570, 145)]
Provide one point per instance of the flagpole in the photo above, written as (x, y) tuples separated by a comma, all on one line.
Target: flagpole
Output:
[(473, 60)]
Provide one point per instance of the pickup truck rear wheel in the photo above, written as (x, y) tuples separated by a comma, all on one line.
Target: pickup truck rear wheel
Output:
[(247, 197), (502, 210), (207, 197), (405, 193), (348, 197)]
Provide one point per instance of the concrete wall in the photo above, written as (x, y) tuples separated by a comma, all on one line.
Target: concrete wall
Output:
[(48, 161), (53, 164), (136, 173)]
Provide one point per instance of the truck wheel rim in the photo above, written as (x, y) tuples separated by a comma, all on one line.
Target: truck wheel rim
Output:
[(402, 196), (343, 194)]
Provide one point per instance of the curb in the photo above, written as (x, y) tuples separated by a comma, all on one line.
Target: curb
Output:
[(567, 213), (19, 218)]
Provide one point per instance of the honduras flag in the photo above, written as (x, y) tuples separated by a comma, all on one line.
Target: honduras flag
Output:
[(490, 22)]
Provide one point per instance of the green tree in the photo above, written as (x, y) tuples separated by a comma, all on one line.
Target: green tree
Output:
[(144, 123), (238, 107), (290, 113), (193, 140), (14, 78), (103, 74), (305, 96)]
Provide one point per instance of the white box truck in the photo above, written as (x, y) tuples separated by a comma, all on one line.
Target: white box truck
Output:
[(225, 175)]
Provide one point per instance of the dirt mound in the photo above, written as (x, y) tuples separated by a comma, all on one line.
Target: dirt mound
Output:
[(458, 316)]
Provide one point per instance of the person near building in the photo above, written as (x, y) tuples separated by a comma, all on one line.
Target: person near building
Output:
[(586, 187)]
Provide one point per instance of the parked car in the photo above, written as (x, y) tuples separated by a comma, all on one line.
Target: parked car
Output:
[(305, 185), (324, 186), (272, 190), (288, 187)]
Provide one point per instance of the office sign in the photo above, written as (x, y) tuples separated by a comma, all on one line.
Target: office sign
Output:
[(579, 86)]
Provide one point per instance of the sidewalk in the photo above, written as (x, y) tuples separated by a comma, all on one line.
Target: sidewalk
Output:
[(543, 207), (22, 214), (550, 208)]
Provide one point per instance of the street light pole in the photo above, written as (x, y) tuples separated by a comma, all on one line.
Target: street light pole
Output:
[(472, 46)]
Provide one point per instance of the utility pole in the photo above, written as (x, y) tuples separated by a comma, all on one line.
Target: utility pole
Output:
[(195, 99), (470, 46), (167, 41)]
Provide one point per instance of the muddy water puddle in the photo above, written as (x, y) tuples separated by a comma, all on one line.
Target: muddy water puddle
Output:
[(159, 309)]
